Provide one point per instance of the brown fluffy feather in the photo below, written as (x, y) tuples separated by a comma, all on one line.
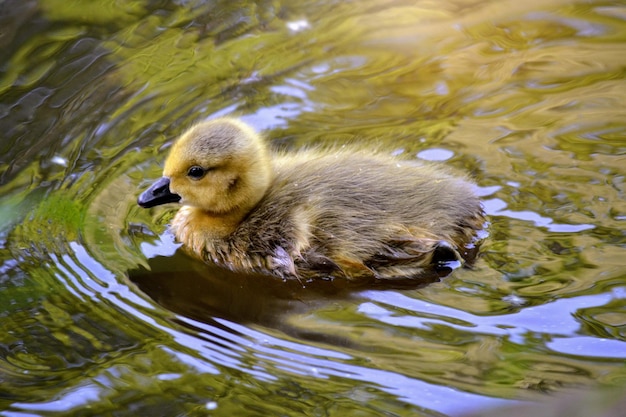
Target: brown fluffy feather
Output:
[(315, 213)]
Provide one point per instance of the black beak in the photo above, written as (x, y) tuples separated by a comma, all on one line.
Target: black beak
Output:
[(158, 193)]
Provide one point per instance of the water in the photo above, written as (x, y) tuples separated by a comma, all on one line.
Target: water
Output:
[(102, 313)]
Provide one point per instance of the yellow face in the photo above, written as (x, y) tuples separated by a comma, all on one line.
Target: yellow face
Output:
[(218, 166)]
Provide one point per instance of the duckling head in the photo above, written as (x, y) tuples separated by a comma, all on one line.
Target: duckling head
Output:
[(220, 166)]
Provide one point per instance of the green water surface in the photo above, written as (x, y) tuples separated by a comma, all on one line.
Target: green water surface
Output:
[(102, 314)]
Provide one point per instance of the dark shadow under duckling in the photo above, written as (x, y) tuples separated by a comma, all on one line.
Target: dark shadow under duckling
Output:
[(312, 213), (206, 293)]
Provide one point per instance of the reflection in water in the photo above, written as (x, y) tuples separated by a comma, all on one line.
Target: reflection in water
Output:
[(203, 292), (223, 310), (102, 314), (200, 291)]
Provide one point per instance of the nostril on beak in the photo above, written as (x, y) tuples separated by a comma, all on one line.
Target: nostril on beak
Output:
[(159, 193)]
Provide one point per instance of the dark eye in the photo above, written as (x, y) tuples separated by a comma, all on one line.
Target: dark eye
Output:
[(196, 172)]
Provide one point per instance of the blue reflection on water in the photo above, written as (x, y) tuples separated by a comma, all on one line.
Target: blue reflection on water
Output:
[(497, 207), (208, 348), (553, 318)]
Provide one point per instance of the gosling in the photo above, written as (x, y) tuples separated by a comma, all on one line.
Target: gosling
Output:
[(314, 213)]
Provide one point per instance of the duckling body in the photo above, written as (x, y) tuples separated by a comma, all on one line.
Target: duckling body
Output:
[(312, 213)]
